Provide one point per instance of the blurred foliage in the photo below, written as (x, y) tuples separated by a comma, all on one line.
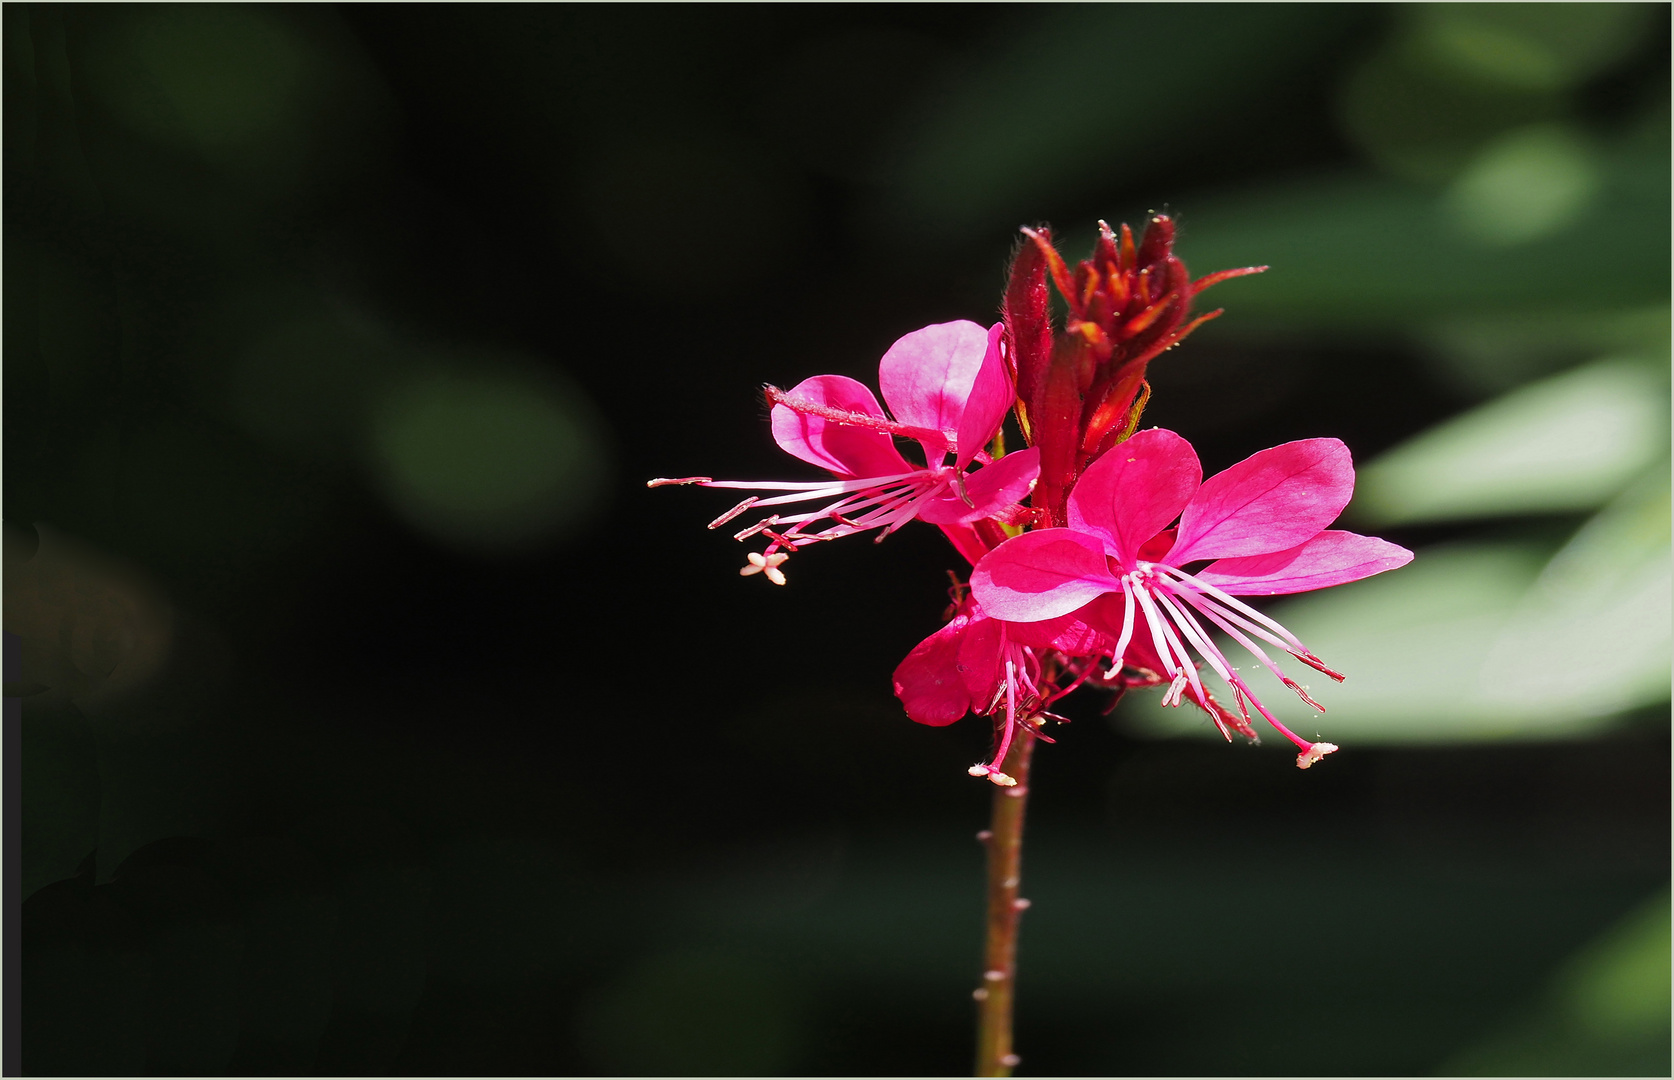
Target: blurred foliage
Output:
[(1453, 76), (487, 457), (1507, 205), (1567, 443), (1042, 110), (703, 1013), (1606, 1011), (375, 720)]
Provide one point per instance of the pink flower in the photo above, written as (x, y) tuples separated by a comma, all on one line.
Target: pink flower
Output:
[(1263, 522), (948, 389)]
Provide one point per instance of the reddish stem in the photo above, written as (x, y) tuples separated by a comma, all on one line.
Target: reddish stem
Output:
[(998, 992)]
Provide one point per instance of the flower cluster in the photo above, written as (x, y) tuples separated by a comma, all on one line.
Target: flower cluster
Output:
[(1100, 556)]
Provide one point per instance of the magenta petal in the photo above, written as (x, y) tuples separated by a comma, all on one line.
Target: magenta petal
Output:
[(846, 451), (1069, 634), (992, 489), (965, 540), (1005, 482), (1135, 490), (1270, 501), (1331, 558), (928, 376), (990, 399), (1041, 575), (979, 659), (929, 682)]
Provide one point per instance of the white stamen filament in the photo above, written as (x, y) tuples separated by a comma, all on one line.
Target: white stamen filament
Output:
[(1186, 668), (1127, 628), (1218, 617), (1207, 603), (1214, 614), (876, 493), (1236, 605), (1194, 633), (1221, 616)]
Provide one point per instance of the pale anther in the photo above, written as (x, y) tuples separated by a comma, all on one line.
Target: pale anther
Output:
[(1314, 753)]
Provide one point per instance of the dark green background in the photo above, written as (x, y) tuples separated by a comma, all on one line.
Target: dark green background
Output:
[(493, 766)]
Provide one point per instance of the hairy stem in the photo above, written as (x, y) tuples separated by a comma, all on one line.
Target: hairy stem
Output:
[(998, 992)]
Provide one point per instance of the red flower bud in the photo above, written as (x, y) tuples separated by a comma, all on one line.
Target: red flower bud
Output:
[(1028, 318), (1081, 392)]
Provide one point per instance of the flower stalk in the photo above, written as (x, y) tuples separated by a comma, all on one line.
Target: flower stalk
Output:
[(996, 997)]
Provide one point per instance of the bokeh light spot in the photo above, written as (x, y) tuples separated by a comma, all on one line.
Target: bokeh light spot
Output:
[(226, 81), (1525, 185), (1531, 46), (487, 458)]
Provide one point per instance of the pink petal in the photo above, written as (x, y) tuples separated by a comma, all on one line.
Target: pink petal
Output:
[(992, 489), (965, 541), (1135, 490), (1270, 501), (991, 397), (1331, 558), (1069, 634), (1041, 575), (979, 659), (928, 681), (847, 451), (929, 375)]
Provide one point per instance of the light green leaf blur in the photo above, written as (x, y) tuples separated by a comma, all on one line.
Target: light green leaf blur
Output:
[(1525, 185), (1590, 637), (1487, 354), (1567, 443), (1364, 251), (1528, 46)]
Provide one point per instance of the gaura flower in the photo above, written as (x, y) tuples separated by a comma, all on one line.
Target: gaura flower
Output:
[(948, 389), (1262, 522)]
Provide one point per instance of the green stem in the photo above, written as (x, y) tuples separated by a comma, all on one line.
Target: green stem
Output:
[(998, 992)]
